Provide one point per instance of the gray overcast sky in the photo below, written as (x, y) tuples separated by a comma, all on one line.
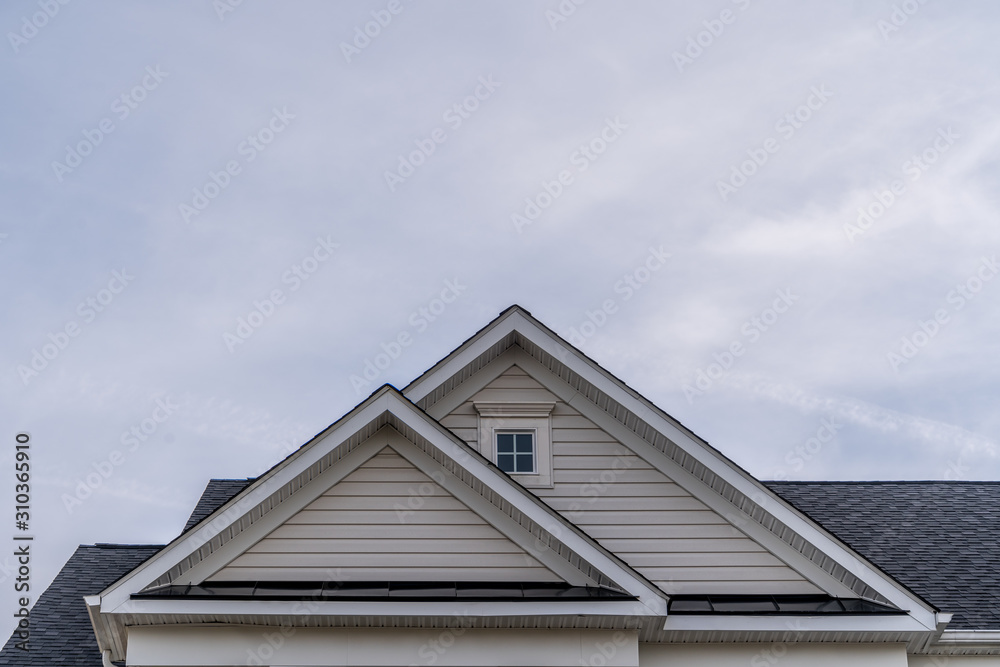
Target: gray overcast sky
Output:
[(776, 220)]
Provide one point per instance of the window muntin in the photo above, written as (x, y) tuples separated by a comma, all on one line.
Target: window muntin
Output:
[(516, 452), (533, 417)]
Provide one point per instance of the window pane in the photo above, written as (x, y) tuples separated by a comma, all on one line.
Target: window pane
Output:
[(516, 452)]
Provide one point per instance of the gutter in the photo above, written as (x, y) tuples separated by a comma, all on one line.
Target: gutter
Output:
[(970, 638)]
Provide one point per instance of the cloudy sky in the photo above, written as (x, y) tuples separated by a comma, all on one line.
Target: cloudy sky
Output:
[(776, 220)]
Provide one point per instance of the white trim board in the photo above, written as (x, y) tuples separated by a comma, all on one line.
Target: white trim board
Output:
[(391, 403), (751, 494)]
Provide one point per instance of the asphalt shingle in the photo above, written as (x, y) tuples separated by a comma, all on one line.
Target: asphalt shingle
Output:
[(216, 494), (60, 632), (940, 539)]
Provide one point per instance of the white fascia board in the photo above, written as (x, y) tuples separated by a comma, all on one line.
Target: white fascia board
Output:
[(698, 489), (528, 505), (289, 507), (178, 607), (487, 374), (699, 450), (465, 354), (792, 624), (285, 472)]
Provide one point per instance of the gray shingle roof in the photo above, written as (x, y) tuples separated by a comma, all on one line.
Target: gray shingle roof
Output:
[(61, 633), (940, 539), (216, 494)]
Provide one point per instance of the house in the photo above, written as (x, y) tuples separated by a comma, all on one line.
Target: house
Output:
[(518, 505)]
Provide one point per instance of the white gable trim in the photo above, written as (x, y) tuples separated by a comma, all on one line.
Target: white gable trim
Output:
[(534, 509), (281, 480), (277, 479), (384, 437), (760, 498), (664, 464)]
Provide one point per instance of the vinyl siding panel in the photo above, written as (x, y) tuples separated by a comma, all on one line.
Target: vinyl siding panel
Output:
[(386, 521), (634, 510)]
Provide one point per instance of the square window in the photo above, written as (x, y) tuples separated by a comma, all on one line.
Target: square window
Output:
[(516, 452), (517, 436)]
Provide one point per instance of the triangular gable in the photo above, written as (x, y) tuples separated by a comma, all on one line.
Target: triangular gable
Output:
[(385, 419), (386, 521), (661, 530), (516, 338)]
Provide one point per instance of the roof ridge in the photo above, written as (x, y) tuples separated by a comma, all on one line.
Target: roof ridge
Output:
[(883, 481), (111, 545)]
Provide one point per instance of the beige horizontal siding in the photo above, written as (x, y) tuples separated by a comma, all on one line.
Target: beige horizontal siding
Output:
[(375, 531), (634, 510), (332, 571), (755, 586), (378, 546), (386, 521)]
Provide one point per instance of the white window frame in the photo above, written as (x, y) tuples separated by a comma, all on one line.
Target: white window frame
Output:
[(518, 431), (499, 417)]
